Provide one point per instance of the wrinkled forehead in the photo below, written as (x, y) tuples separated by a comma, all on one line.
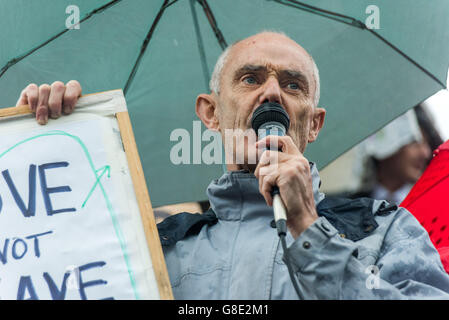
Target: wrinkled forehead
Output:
[(275, 52)]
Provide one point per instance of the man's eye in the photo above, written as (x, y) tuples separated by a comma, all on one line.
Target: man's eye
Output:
[(293, 86), (250, 80)]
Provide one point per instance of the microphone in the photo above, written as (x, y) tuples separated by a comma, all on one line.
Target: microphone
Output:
[(270, 118)]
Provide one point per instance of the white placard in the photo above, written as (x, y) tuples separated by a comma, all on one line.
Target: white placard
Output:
[(69, 222)]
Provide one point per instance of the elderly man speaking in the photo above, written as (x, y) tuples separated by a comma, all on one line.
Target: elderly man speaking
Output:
[(336, 248)]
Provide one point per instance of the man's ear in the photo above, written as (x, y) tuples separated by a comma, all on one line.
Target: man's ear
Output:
[(206, 110), (317, 123)]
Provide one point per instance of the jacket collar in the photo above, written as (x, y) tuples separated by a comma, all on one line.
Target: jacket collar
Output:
[(235, 195)]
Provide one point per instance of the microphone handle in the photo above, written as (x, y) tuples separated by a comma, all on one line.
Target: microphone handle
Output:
[(280, 213), (278, 207)]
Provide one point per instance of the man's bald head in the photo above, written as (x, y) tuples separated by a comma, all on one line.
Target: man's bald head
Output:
[(222, 60)]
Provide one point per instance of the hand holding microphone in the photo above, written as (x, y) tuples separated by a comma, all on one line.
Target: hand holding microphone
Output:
[(284, 177), (284, 174)]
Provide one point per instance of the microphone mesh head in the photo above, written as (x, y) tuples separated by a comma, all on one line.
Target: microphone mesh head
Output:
[(269, 112)]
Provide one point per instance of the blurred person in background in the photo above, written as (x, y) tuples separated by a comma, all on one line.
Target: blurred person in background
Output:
[(395, 157)]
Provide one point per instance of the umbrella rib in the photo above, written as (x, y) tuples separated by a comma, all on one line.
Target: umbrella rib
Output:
[(200, 44), (407, 57), (358, 24), (145, 43), (324, 13), (213, 23), (13, 61), (169, 4)]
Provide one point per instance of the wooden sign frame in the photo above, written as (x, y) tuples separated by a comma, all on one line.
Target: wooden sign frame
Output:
[(140, 189)]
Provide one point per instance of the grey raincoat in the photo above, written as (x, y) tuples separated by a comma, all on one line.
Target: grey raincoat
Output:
[(240, 256)]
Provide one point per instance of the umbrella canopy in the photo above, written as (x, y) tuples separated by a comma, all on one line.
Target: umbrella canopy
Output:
[(162, 52)]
